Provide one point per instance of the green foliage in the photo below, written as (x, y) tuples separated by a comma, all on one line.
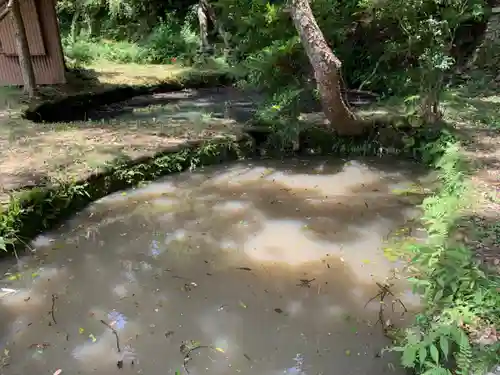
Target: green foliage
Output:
[(167, 42), (84, 51), (426, 35), (461, 301)]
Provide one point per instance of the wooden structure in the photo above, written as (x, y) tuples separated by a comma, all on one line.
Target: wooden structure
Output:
[(44, 40)]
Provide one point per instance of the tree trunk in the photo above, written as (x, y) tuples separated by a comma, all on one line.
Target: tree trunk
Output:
[(326, 70), (74, 29), (203, 22), (218, 25), (23, 50)]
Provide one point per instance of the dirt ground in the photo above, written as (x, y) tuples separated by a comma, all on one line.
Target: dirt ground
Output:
[(32, 153), (474, 111)]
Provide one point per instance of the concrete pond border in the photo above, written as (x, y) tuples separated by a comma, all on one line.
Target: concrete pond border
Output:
[(32, 211)]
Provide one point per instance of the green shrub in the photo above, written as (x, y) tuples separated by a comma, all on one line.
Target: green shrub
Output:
[(461, 301)]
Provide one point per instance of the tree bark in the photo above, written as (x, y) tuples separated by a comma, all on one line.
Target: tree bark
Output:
[(74, 29), (218, 25), (326, 70), (23, 50), (202, 21)]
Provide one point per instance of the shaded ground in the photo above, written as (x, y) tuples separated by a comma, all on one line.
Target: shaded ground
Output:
[(474, 109), (270, 265), (34, 153), (31, 153)]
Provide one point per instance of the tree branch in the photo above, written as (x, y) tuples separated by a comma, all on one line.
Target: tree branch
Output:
[(6, 11)]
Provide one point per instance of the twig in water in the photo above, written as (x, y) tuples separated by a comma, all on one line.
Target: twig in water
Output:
[(115, 333), (52, 313), (187, 354), (385, 290), (191, 346)]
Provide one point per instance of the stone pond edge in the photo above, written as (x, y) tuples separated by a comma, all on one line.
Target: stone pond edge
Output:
[(32, 210), (38, 209)]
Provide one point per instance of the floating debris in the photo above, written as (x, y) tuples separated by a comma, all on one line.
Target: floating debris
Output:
[(116, 335), (189, 286), (305, 283), (52, 309), (190, 346)]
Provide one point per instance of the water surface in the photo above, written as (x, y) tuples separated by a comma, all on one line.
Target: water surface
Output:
[(257, 267)]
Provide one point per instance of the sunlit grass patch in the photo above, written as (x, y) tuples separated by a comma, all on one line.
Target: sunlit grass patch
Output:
[(136, 74)]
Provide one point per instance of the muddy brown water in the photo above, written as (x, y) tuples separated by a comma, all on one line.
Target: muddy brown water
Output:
[(268, 265)]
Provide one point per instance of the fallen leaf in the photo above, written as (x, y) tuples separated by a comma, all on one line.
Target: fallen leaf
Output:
[(243, 305), (81, 330), (220, 350)]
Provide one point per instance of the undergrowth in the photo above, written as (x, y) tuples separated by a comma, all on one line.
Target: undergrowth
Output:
[(169, 42), (456, 333)]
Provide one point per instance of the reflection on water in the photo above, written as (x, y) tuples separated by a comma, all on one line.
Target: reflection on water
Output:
[(265, 266)]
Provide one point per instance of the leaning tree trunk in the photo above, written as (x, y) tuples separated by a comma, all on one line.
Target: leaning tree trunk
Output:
[(326, 68), (23, 49)]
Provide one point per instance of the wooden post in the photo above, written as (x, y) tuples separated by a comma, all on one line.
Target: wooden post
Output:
[(23, 51)]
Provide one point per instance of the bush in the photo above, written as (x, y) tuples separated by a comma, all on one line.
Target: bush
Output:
[(166, 41), (85, 51)]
